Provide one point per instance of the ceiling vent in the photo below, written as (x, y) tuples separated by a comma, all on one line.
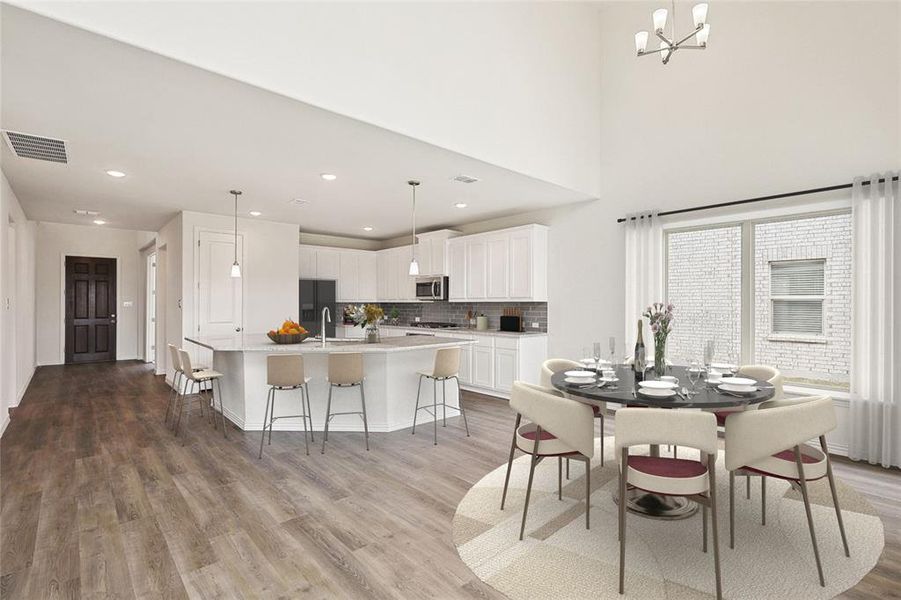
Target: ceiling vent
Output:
[(298, 202), (465, 179), (86, 213), (25, 145)]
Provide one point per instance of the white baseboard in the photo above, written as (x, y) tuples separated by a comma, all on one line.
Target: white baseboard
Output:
[(485, 391), (297, 424), (4, 421), (23, 389)]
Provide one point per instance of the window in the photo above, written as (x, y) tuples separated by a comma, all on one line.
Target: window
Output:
[(774, 292), (796, 291)]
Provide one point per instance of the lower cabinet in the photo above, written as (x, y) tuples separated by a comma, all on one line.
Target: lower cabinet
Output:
[(498, 361), (483, 366), (506, 363)]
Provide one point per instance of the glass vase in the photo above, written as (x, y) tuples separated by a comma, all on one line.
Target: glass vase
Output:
[(660, 356), (372, 334)]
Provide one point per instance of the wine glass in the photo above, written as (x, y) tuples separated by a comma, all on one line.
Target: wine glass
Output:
[(612, 347), (694, 373), (597, 355), (708, 355)]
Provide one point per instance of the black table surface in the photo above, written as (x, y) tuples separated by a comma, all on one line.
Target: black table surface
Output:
[(625, 391)]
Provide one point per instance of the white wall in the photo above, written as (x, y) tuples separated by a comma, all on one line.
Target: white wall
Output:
[(17, 322), (512, 83), (54, 242), (169, 292)]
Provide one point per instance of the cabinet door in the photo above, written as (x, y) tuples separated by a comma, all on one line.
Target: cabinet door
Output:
[(348, 274), (382, 268), (456, 267), (496, 273), (483, 366), (438, 252), (466, 365), (307, 263), (327, 264), (521, 265), (406, 282), (392, 283), (424, 257), (476, 263), (366, 281), (505, 362)]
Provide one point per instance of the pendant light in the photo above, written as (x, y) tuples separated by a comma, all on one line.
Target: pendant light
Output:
[(414, 266), (236, 268)]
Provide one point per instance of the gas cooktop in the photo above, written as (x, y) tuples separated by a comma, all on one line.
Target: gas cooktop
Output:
[(433, 325)]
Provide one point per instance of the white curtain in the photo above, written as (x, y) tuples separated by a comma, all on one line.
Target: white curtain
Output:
[(876, 322), (644, 272)]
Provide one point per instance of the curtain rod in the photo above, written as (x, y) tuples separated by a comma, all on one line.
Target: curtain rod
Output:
[(831, 188)]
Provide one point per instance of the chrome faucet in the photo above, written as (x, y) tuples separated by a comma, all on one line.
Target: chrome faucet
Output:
[(326, 314)]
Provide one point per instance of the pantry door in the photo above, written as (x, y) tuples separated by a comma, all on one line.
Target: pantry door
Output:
[(219, 296)]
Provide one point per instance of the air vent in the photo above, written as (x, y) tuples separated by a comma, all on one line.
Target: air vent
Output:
[(465, 179), (25, 145), (298, 201), (86, 213)]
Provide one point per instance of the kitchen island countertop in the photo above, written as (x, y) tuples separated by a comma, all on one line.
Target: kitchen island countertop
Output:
[(261, 343)]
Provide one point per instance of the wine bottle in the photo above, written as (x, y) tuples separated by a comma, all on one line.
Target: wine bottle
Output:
[(639, 361)]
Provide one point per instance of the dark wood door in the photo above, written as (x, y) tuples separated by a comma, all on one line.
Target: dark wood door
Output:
[(90, 309)]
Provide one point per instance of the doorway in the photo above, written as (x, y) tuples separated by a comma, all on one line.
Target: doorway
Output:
[(150, 324), (90, 309)]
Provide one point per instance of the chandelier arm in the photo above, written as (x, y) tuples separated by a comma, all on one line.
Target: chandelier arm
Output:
[(663, 38), (689, 36), (693, 47), (649, 52)]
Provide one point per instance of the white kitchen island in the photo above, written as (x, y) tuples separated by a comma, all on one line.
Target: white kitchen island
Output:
[(390, 369)]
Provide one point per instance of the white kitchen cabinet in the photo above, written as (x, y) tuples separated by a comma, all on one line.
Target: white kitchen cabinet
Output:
[(328, 264), (431, 251), (354, 271), (483, 366), (456, 269), (505, 265), (466, 365), (348, 276), (506, 362), (307, 257), (499, 360), (367, 288)]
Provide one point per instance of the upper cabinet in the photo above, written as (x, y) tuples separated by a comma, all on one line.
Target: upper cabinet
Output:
[(354, 271), (509, 264), (431, 251)]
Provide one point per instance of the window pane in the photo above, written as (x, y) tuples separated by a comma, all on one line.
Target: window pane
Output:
[(703, 283), (798, 316), (809, 340), (797, 278)]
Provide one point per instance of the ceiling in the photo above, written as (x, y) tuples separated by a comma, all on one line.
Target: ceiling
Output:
[(185, 137)]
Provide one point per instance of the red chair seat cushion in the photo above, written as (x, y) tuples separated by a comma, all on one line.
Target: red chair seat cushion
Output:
[(667, 467), (670, 476), (721, 417), (545, 435), (596, 409)]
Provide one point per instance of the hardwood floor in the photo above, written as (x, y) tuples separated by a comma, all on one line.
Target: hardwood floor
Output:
[(99, 500)]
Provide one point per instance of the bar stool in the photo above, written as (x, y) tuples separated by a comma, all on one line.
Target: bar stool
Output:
[(284, 372), (447, 366), (345, 369), (196, 379), (177, 379)]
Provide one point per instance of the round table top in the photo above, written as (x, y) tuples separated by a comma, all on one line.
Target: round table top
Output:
[(625, 391)]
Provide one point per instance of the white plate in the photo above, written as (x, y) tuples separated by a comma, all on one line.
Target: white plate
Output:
[(658, 393), (579, 374), (738, 381), (587, 361), (737, 389), (579, 380), (657, 385), (723, 366), (609, 379)]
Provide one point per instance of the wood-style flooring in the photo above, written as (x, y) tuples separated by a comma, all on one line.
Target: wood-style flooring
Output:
[(99, 500)]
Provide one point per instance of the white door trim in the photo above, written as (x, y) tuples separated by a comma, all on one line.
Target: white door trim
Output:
[(62, 298)]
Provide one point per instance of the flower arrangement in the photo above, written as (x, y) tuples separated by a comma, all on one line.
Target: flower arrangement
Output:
[(661, 318), (369, 316)]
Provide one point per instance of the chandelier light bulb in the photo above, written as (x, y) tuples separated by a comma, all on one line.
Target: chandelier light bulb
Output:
[(236, 271), (660, 19), (699, 13), (641, 41), (703, 34), (414, 267)]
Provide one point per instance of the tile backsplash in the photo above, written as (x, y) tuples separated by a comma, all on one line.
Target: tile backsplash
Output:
[(455, 312)]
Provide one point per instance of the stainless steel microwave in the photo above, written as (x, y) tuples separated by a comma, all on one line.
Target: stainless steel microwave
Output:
[(431, 288)]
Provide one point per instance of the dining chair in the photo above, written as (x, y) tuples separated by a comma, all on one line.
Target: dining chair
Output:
[(558, 427), (447, 366), (772, 442), (694, 479), (552, 366), (760, 373)]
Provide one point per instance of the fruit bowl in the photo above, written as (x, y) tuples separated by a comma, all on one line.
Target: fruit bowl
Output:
[(288, 338)]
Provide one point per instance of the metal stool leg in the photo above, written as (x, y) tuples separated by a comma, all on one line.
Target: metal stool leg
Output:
[(221, 409), (306, 443), (185, 400), (173, 395), (444, 401), (365, 420), (271, 416), (732, 509), (435, 408), (328, 415), (309, 412), (838, 511), (460, 404), (265, 416), (813, 536), (416, 411)]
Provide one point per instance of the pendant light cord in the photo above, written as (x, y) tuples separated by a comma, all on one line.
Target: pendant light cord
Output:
[(236, 228)]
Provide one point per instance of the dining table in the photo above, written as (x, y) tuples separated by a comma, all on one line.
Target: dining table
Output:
[(690, 393)]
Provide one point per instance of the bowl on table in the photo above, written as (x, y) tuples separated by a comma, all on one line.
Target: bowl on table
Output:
[(288, 338)]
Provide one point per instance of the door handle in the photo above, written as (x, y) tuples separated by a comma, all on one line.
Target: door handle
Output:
[(435, 290)]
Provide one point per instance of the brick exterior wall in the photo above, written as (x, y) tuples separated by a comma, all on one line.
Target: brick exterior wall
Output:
[(704, 285), (824, 359)]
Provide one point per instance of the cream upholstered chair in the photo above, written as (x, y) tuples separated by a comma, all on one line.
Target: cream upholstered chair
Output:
[(554, 365), (663, 475), (177, 379), (557, 427), (196, 380), (284, 372), (772, 442), (447, 366), (345, 369)]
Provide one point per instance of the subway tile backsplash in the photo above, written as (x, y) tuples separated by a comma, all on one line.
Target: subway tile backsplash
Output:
[(455, 312)]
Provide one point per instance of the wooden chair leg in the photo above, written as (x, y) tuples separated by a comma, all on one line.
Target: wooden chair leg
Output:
[(838, 511), (813, 536), (510, 460)]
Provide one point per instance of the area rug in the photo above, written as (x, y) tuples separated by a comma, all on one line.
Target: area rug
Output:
[(559, 558)]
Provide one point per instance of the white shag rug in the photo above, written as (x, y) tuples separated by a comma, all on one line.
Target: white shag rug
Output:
[(558, 558)]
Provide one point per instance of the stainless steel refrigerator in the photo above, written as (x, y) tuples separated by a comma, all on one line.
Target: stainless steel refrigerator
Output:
[(316, 294)]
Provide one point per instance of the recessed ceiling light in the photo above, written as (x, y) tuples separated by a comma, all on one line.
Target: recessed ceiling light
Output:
[(367, 228), (460, 205), (255, 213), (115, 174), (99, 222), (328, 176)]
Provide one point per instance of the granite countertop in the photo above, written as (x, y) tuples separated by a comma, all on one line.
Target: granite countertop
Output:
[(261, 343), (461, 329)]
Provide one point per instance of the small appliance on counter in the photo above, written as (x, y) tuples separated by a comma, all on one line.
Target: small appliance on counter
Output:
[(482, 323), (511, 320)]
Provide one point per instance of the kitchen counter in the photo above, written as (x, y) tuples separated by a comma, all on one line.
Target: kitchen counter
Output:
[(389, 367)]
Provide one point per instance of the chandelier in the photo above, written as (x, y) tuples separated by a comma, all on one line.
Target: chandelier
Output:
[(669, 45)]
